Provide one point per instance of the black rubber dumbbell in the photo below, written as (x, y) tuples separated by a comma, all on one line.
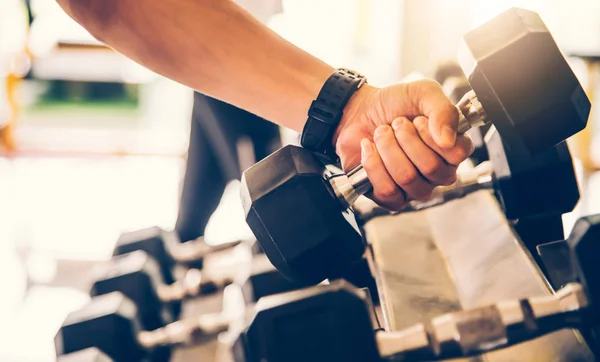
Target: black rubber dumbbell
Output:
[(333, 322), (455, 84), (523, 85), (173, 256), (111, 324), (137, 276), (330, 246), (168, 250)]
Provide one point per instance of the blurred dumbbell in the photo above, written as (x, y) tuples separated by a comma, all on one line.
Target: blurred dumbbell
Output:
[(86, 355), (521, 83), (137, 276), (453, 80), (455, 84), (111, 324), (333, 322), (168, 250), (172, 255)]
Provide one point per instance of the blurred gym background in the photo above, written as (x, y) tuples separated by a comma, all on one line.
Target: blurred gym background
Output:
[(92, 144)]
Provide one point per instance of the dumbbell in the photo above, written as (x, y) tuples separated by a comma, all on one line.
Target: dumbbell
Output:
[(86, 355), (333, 322), (110, 323), (167, 249), (521, 83), (138, 277), (318, 242), (455, 85)]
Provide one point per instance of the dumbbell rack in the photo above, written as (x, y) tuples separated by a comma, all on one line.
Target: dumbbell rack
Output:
[(191, 308), (460, 255)]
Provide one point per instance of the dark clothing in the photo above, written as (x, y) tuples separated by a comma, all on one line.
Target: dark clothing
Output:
[(213, 158)]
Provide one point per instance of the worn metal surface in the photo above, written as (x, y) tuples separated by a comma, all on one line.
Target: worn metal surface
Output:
[(462, 254)]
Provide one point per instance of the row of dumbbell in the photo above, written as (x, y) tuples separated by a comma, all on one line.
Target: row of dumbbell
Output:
[(335, 322), (134, 312)]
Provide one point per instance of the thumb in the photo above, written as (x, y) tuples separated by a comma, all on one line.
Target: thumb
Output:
[(442, 114), (443, 124)]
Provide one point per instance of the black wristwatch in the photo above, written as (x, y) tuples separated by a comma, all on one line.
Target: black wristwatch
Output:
[(326, 111)]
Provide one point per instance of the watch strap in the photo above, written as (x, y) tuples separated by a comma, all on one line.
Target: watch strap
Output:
[(326, 111)]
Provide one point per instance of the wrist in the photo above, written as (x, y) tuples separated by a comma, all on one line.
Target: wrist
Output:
[(352, 110), (326, 111)]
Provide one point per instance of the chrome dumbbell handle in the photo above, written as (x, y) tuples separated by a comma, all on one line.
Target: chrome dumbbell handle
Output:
[(185, 332), (350, 186), (193, 284)]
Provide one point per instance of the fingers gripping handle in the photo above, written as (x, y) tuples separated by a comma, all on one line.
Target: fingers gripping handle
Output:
[(355, 182)]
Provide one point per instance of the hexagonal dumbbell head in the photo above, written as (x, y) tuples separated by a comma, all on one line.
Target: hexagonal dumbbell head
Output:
[(545, 183), (523, 82), (154, 241), (87, 355), (109, 323), (296, 218), (138, 277), (322, 323), (265, 280), (584, 243)]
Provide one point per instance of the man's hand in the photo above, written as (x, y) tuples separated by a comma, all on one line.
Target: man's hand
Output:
[(405, 137)]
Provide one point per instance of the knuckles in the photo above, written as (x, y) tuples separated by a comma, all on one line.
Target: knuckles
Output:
[(432, 169), (388, 191), (450, 180), (460, 152), (423, 194), (406, 176)]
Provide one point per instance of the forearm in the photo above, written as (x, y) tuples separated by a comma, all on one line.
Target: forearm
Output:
[(212, 46)]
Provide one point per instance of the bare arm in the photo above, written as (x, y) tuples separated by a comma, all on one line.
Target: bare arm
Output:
[(217, 48), (213, 46)]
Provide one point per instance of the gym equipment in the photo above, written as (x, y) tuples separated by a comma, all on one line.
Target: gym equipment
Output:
[(138, 277), (167, 249), (318, 242), (332, 322), (456, 85), (110, 323), (534, 102), (86, 355)]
